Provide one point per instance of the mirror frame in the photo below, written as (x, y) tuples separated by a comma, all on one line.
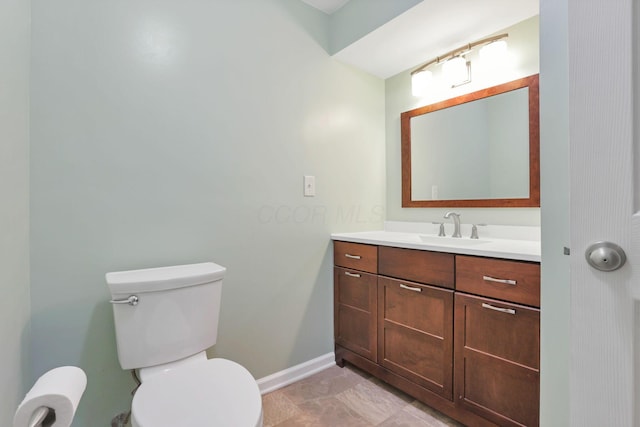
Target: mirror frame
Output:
[(530, 82)]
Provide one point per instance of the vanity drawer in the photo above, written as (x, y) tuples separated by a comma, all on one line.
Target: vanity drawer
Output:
[(356, 255), (515, 281), (433, 268)]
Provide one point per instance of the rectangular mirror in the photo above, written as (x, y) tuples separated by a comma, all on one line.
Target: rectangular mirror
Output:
[(477, 150)]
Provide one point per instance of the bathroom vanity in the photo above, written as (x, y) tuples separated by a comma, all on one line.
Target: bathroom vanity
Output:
[(455, 324)]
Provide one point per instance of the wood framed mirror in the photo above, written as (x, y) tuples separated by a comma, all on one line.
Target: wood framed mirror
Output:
[(481, 149)]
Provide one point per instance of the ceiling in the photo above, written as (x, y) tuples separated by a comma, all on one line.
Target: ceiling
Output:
[(327, 6), (427, 30)]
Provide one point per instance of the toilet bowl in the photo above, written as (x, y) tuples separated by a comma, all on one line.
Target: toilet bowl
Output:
[(215, 392), (165, 318)]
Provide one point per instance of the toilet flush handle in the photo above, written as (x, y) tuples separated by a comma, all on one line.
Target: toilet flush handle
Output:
[(131, 300)]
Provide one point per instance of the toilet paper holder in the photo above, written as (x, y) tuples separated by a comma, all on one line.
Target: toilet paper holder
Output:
[(43, 416), (53, 399)]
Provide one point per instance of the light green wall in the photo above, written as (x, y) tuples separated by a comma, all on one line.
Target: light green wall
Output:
[(169, 132), (14, 214), (524, 47), (554, 182)]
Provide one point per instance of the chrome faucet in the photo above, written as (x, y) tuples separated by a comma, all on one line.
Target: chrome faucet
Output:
[(456, 223)]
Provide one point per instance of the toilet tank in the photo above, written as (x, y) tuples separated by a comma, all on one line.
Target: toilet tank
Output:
[(176, 314)]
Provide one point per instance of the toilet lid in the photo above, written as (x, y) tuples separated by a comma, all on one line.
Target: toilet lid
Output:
[(217, 392)]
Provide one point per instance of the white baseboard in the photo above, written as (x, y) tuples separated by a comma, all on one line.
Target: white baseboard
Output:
[(296, 373)]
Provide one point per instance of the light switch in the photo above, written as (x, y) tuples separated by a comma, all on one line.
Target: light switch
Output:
[(309, 186)]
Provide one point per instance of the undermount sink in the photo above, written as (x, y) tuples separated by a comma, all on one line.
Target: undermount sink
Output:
[(450, 241)]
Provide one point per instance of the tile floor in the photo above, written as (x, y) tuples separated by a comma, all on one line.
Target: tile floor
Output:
[(347, 397)]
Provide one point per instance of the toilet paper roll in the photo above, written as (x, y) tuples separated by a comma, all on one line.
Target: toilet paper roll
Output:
[(60, 391)]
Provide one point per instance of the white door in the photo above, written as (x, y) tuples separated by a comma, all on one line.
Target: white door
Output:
[(602, 327)]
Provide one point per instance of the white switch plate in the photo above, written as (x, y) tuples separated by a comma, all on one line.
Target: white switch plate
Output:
[(309, 186)]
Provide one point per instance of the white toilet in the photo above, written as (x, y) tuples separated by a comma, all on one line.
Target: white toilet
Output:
[(165, 319)]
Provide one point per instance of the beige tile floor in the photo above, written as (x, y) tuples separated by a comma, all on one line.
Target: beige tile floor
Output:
[(347, 397)]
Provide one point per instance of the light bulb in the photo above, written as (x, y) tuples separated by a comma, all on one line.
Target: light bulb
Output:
[(494, 53), (420, 82)]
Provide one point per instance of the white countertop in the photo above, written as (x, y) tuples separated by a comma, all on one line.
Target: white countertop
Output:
[(508, 242)]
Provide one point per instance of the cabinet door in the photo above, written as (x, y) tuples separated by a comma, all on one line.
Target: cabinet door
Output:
[(355, 309), (415, 333), (497, 360)]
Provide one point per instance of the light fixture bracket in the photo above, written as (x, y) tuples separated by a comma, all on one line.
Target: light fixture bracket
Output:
[(460, 51), (465, 81)]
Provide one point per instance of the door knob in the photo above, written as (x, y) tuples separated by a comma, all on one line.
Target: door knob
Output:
[(605, 256)]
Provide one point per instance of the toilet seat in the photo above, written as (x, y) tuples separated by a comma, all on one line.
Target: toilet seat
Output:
[(215, 392)]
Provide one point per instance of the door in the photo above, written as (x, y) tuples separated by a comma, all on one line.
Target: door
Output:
[(602, 328)]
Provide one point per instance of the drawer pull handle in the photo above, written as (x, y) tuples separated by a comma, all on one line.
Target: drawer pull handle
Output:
[(410, 288), (351, 274), (500, 309), (352, 256), (493, 279)]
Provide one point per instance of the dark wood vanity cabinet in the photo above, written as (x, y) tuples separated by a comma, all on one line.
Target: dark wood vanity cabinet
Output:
[(460, 333)]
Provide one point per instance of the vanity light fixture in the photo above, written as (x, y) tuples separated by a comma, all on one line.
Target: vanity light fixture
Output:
[(456, 68)]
